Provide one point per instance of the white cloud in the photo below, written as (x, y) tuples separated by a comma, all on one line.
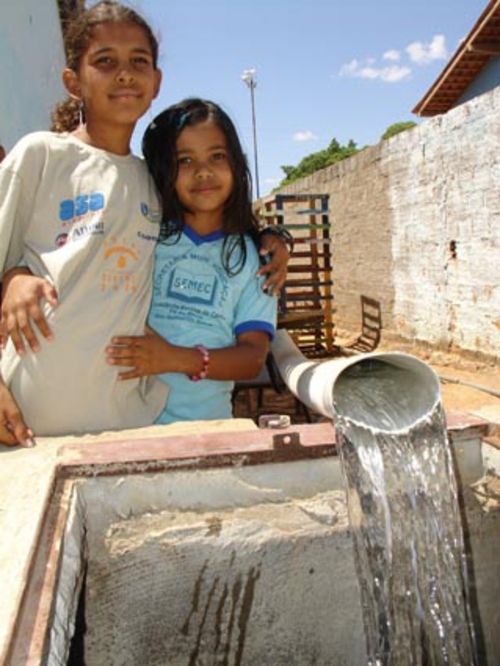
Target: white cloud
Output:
[(423, 54), (388, 74), (306, 135), (392, 55), (387, 70), (350, 68)]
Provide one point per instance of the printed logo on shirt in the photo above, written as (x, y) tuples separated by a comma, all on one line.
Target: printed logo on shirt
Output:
[(61, 239), (80, 206), (120, 260), (148, 237), (83, 230), (153, 216), (79, 232), (184, 287)]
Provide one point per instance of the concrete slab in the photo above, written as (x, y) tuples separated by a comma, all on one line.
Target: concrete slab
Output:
[(28, 477)]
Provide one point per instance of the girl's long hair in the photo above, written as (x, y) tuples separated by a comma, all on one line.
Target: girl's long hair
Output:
[(159, 149), (78, 31)]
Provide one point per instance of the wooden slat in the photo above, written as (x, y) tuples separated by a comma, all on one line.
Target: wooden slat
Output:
[(313, 226), (306, 303), (310, 211), (305, 296), (306, 255), (308, 282)]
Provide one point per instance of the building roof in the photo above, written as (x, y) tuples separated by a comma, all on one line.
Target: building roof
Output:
[(474, 52)]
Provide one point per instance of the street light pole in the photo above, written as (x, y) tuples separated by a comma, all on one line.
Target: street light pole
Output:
[(248, 77)]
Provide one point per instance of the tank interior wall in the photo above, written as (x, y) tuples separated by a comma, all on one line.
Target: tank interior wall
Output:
[(243, 565)]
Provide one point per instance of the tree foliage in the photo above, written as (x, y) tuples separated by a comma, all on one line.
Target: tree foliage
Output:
[(396, 128), (319, 160), (333, 153)]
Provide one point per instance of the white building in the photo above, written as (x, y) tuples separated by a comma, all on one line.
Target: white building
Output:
[(31, 62)]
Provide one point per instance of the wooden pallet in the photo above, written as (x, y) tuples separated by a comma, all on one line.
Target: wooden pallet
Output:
[(306, 301)]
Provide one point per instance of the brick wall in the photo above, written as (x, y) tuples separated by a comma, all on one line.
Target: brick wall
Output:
[(416, 226)]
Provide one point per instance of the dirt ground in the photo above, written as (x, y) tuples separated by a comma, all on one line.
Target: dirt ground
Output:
[(468, 385)]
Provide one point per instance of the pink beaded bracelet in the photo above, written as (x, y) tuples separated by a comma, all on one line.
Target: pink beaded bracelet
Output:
[(206, 360)]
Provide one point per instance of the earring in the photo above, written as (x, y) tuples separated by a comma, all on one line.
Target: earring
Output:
[(81, 114)]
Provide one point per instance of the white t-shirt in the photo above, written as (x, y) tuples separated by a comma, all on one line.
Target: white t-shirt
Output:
[(88, 221)]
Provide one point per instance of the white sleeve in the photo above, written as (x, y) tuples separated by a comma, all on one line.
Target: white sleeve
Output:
[(20, 174)]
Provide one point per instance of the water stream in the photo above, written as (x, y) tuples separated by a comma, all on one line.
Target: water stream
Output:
[(405, 519)]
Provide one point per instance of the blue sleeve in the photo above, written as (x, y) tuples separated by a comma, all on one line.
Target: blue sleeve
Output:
[(255, 310)]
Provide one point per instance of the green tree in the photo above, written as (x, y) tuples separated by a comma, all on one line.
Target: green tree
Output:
[(396, 128), (319, 160)]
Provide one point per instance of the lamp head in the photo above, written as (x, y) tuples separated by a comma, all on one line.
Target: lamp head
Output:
[(248, 77)]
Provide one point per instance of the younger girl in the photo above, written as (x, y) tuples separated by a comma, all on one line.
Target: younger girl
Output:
[(81, 213), (208, 305)]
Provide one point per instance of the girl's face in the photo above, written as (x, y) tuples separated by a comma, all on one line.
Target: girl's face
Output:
[(204, 175), (116, 79)]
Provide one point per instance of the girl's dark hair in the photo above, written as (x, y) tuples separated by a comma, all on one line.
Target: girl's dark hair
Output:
[(77, 37), (159, 149)]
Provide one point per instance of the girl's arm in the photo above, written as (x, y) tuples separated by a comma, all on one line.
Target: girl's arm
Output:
[(13, 429), (22, 294), (152, 355), (275, 246), (21, 176)]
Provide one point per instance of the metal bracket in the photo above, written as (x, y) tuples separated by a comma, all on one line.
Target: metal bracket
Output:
[(274, 421), (287, 440)]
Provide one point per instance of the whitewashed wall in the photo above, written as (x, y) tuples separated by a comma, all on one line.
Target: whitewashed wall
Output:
[(417, 227), (31, 61), (446, 228)]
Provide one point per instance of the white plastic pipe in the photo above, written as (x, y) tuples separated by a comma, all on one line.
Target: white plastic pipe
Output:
[(320, 384)]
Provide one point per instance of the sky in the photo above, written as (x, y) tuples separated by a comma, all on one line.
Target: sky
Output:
[(324, 68)]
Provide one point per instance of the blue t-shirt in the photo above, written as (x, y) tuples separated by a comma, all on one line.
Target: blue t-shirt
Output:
[(195, 302)]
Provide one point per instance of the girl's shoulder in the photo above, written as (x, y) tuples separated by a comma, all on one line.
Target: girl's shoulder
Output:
[(43, 140), (31, 150), (31, 143), (39, 143), (252, 253), (37, 139), (45, 148), (251, 246)]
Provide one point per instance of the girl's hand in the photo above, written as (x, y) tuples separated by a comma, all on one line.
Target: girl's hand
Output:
[(22, 294), (13, 429), (275, 269), (145, 354)]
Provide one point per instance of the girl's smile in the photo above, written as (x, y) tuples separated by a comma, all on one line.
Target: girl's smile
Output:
[(125, 94)]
